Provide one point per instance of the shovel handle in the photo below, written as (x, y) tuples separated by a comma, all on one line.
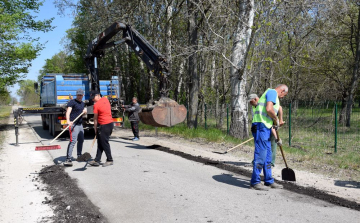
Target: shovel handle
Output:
[(282, 152), (240, 144), (65, 128), (93, 142)]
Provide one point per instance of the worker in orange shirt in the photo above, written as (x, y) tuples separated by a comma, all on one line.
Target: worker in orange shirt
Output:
[(103, 125)]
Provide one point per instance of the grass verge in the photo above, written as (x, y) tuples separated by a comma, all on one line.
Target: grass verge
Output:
[(306, 153), (4, 116)]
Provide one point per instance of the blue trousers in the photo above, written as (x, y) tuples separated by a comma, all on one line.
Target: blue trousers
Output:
[(262, 154), (76, 135)]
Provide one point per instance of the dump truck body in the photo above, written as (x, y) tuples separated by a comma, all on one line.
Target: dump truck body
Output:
[(57, 89)]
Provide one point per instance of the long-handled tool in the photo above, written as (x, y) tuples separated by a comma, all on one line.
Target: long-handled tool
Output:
[(51, 147), (234, 147), (287, 174)]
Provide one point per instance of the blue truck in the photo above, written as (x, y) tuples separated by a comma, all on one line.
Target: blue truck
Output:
[(57, 89)]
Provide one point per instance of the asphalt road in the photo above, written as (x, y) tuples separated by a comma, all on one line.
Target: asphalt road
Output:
[(146, 185)]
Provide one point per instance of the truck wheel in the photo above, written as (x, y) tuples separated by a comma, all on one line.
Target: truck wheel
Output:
[(43, 120), (53, 127), (55, 132), (50, 124)]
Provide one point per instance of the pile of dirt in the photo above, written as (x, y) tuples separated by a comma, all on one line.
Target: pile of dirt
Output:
[(69, 202), (84, 157), (310, 191)]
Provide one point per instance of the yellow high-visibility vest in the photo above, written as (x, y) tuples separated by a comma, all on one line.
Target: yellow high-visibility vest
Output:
[(260, 114)]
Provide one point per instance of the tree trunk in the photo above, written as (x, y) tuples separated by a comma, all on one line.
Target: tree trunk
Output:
[(223, 96), (355, 76), (192, 66), (239, 106), (169, 10), (180, 80), (212, 77)]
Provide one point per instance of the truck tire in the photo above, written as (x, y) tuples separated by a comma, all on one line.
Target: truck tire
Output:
[(51, 125), (43, 121), (55, 132)]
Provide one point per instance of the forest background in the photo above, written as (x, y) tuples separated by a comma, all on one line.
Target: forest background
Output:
[(220, 51)]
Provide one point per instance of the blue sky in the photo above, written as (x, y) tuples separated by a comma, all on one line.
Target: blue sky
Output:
[(51, 39)]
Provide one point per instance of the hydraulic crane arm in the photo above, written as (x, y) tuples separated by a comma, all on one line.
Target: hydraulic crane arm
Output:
[(165, 112), (153, 59)]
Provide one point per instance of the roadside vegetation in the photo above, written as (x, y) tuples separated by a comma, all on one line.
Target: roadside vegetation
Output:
[(4, 116), (312, 145)]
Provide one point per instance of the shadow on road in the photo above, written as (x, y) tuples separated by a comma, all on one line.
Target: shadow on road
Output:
[(231, 180), (238, 163), (44, 134), (59, 159), (82, 168), (4, 127), (349, 184), (130, 144)]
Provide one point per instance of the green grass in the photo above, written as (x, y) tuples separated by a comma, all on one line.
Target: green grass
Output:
[(312, 142), (4, 115), (211, 134), (4, 112)]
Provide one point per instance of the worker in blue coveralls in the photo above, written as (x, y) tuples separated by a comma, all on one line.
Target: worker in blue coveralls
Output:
[(253, 99), (264, 119)]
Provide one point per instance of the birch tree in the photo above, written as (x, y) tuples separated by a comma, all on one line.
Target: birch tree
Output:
[(238, 73)]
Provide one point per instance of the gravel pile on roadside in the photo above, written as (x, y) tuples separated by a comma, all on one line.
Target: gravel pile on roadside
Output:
[(69, 202)]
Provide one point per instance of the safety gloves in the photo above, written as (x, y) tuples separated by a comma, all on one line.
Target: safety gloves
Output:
[(278, 142)]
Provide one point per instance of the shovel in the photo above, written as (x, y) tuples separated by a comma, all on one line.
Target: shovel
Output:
[(287, 174), (234, 147)]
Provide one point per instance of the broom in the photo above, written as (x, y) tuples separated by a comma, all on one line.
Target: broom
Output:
[(52, 147)]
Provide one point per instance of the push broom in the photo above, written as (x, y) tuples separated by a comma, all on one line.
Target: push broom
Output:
[(52, 147)]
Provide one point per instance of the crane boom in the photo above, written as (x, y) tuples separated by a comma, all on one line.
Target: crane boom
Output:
[(153, 59), (164, 112)]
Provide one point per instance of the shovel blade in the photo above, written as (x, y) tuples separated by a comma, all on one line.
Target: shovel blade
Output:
[(220, 152), (288, 174)]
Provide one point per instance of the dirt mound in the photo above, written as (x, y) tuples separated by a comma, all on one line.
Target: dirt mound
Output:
[(69, 202), (84, 157)]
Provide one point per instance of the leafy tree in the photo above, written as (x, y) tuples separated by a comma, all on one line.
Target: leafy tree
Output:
[(61, 63), (18, 48), (5, 98), (27, 93)]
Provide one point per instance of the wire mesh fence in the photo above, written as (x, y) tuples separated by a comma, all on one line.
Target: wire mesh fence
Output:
[(308, 125)]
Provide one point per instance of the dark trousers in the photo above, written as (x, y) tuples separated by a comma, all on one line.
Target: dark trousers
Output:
[(103, 136), (135, 128)]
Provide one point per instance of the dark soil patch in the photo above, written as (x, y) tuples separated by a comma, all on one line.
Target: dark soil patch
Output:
[(310, 191), (5, 127), (69, 202), (84, 157)]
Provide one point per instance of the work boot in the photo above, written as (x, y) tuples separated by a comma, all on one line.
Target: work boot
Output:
[(259, 186), (108, 163), (94, 163), (68, 162), (274, 185)]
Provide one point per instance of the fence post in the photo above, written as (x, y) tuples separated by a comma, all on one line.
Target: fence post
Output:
[(227, 119), (205, 116), (335, 145), (290, 124)]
